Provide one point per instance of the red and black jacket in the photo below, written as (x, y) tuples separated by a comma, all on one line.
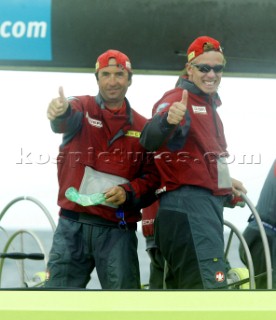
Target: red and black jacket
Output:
[(193, 152), (95, 137)]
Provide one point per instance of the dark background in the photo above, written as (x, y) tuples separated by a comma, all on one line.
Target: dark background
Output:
[(155, 34)]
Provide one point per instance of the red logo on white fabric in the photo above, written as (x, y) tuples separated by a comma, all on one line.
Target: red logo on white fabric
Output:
[(220, 276)]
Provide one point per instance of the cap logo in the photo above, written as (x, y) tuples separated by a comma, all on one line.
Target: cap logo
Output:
[(128, 65), (191, 55)]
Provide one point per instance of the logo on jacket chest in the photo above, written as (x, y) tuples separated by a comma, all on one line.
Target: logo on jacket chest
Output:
[(199, 109), (94, 122), (132, 133)]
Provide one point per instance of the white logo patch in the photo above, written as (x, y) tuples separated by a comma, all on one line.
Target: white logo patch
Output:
[(162, 106), (94, 122), (128, 64), (147, 222), (220, 276), (199, 109)]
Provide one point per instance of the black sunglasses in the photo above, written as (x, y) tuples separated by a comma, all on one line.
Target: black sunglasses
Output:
[(205, 68)]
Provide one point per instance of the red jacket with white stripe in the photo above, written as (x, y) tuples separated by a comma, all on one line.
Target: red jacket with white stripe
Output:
[(95, 137), (193, 152)]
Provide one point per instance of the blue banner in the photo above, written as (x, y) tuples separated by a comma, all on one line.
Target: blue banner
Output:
[(25, 30)]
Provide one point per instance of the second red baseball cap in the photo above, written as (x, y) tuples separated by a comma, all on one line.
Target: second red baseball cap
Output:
[(120, 57), (202, 44)]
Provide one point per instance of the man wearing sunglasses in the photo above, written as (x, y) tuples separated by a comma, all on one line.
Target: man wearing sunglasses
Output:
[(187, 135)]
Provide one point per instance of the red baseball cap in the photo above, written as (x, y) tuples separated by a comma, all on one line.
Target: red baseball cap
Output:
[(202, 44), (121, 59)]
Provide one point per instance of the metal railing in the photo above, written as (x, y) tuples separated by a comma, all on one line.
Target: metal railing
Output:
[(21, 255)]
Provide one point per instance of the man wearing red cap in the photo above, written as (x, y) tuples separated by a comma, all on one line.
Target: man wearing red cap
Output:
[(105, 178), (187, 135)]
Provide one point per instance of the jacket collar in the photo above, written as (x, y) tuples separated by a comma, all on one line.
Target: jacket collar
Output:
[(100, 102), (184, 83)]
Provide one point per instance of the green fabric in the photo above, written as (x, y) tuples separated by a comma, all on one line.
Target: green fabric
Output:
[(73, 195)]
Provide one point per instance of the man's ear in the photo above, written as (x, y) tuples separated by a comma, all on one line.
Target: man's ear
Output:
[(188, 68), (129, 82)]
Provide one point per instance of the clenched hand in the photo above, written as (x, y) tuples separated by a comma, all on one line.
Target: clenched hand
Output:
[(115, 195)]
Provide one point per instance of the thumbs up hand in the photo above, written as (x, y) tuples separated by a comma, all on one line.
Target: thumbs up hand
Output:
[(57, 106), (177, 110)]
